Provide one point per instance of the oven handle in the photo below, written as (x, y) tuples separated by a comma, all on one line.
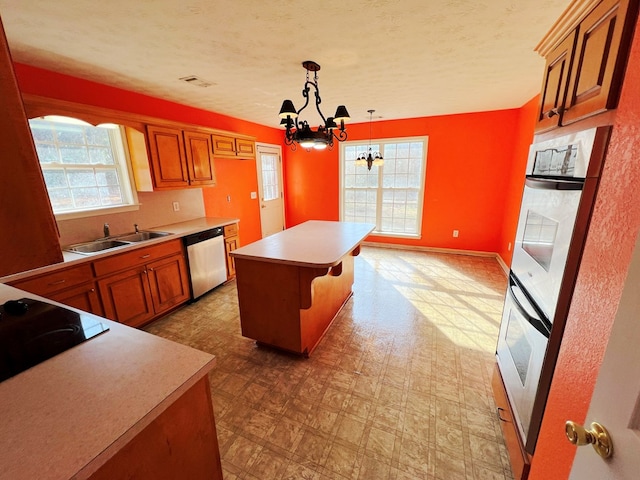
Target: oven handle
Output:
[(539, 324), (553, 183)]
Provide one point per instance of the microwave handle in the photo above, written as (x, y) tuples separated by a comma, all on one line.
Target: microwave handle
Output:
[(536, 323), (544, 183)]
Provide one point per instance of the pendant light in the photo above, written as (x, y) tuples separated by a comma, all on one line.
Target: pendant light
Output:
[(370, 158)]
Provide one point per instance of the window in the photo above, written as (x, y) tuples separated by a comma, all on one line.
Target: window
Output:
[(389, 196), (84, 167)]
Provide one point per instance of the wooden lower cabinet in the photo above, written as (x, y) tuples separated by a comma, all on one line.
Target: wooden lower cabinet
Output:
[(180, 443), (74, 286), (520, 459), (231, 243), (137, 295), (84, 297)]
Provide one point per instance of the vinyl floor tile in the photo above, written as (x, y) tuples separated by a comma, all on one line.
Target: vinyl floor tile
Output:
[(398, 389)]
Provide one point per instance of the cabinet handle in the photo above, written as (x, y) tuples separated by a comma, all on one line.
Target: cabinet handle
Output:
[(556, 111), (144, 271), (92, 290), (58, 282), (146, 256), (151, 269), (500, 410)]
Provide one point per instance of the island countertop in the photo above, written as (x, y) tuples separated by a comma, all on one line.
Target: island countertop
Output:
[(67, 416), (315, 243)]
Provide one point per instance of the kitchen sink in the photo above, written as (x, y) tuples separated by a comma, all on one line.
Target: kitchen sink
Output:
[(95, 246), (141, 236)]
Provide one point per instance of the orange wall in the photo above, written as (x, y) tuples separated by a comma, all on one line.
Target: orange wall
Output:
[(472, 162), (610, 242), (235, 177), (474, 166), (524, 137)]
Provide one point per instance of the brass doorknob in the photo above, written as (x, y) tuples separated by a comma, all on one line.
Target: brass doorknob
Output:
[(598, 436)]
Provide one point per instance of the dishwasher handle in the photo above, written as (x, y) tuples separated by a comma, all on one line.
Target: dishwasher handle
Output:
[(202, 236)]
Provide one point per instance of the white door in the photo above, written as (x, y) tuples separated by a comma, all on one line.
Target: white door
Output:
[(269, 158), (616, 400)]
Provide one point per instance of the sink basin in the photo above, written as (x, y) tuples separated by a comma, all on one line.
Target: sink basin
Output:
[(141, 236), (96, 246)]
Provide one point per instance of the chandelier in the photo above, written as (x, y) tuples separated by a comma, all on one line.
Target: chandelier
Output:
[(299, 131), (370, 158)]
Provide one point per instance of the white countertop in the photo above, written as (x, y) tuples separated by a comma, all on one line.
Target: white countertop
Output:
[(68, 415), (314, 243), (178, 230)]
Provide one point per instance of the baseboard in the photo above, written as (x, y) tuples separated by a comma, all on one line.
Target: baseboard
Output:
[(451, 251)]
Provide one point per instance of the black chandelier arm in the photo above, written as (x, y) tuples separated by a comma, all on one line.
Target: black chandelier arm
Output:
[(341, 136)]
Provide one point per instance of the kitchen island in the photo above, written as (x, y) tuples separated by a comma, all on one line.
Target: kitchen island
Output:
[(123, 404), (291, 285)]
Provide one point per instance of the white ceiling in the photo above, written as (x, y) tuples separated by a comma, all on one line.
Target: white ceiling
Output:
[(403, 58)]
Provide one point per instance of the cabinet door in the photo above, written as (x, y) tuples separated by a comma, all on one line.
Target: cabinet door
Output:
[(245, 148), (85, 297), (224, 146), (598, 61), (199, 158), (168, 160), (230, 244), (126, 297), (169, 282), (554, 84)]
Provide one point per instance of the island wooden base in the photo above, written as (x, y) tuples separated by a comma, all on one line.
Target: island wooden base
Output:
[(288, 306)]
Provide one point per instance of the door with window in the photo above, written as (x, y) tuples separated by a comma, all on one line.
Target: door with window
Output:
[(269, 165)]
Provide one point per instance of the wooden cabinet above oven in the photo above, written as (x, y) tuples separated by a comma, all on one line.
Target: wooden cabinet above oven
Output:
[(584, 70)]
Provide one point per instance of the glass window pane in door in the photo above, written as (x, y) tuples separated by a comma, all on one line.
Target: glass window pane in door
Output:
[(270, 183)]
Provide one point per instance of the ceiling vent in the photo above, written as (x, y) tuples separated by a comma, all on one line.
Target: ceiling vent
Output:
[(197, 81)]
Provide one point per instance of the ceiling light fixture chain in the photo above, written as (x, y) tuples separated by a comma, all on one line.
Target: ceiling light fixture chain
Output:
[(370, 158), (299, 131)]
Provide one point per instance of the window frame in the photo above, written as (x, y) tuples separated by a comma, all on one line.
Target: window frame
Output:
[(381, 142), (123, 167)]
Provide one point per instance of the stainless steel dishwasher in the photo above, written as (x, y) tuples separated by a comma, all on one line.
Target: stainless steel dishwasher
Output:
[(207, 260)]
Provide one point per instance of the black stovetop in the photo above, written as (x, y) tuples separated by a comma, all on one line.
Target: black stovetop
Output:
[(32, 331)]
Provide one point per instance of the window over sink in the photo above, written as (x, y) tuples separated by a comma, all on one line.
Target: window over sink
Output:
[(85, 167)]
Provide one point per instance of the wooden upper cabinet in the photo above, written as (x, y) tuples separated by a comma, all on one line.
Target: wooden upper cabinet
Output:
[(199, 161), (168, 157), (180, 158), (599, 62), (554, 83), (584, 71), (233, 147)]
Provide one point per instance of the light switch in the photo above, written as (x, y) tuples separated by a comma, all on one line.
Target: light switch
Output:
[(254, 195)]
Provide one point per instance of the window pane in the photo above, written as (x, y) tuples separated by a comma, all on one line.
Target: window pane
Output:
[(398, 183), (73, 159)]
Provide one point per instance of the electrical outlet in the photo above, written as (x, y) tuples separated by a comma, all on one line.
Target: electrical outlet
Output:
[(254, 195), (229, 198), (455, 233), (176, 206)]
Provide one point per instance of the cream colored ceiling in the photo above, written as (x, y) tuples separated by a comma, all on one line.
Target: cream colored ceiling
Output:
[(403, 58)]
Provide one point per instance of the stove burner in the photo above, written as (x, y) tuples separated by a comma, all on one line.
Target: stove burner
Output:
[(32, 331), (15, 307)]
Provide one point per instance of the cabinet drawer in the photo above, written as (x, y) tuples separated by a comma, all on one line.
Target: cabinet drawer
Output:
[(59, 280), (230, 230), (139, 256), (520, 461)]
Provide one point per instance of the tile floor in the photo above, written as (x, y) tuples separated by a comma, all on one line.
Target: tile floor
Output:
[(398, 389)]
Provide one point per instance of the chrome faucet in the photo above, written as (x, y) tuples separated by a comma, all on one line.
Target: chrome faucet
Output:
[(105, 229), (135, 226)]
